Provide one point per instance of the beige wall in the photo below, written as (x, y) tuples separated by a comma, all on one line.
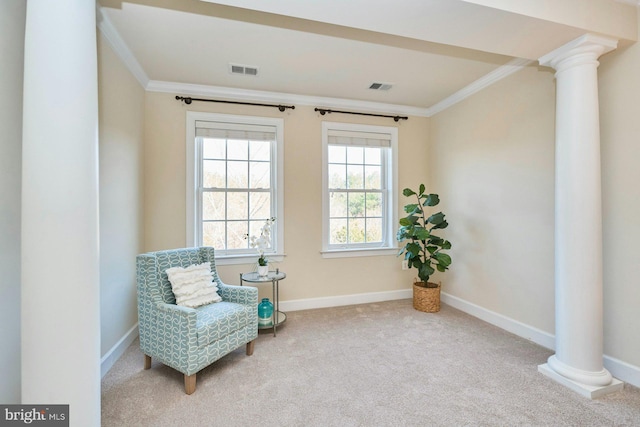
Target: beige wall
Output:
[(12, 24), (492, 160), (492, 163), (308, 274), (619, 84), (121, 109)]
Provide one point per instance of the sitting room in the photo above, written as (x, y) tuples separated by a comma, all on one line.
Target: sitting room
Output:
[(225, 212)]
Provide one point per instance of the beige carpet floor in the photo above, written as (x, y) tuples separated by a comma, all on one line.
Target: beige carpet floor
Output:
[(382, 364)]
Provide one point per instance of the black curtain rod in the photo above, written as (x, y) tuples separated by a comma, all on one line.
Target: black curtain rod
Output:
[(324, 111), (187, 100)]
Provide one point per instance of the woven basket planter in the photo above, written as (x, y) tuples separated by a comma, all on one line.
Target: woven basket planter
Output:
[(426, 299)]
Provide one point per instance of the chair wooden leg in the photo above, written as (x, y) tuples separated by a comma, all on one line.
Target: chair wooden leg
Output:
[(147, 362), (189, 383), (250, 347)]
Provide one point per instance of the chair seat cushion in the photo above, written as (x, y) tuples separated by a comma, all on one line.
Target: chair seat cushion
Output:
[(215, 321)]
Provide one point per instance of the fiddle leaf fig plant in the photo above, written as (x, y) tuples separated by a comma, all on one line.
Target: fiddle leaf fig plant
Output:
[(423, 250)]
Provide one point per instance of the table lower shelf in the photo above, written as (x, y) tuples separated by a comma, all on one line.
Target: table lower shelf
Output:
[(282, 317)]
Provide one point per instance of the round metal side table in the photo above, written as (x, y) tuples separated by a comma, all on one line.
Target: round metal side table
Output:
[(274, 277)]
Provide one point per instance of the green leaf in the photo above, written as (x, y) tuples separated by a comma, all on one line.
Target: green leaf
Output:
[(436, 218), (443, 224), (408, 221), (421, 233), (432, 249), (408, 192), (432, 200), (446, 244), (414, 248), (411, 209), (421, 189), (425, 271), (443, 259), (441, 268)]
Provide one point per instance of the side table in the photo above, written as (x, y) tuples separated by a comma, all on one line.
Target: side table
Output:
[(274, 277)]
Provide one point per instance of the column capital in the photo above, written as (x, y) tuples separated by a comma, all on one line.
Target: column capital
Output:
[(583, 50)]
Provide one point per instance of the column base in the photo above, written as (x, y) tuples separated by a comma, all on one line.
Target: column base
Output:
[(591, 392)]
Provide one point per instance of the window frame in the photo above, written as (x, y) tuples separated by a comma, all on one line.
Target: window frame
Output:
[(390, 174), (193, 172)]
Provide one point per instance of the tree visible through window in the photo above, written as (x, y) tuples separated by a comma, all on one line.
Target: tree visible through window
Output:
[(232, 162), (359, 182), (356, 194), (236, 190)]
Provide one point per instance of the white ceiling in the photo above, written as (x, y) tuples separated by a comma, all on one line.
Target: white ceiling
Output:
[(428, 49)]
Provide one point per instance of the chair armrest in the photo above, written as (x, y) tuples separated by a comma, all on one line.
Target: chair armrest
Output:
[(247, 295)]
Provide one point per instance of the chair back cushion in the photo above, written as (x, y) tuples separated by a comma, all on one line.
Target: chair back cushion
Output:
[(161, 287)]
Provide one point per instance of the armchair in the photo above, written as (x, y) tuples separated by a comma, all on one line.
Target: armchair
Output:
[(189, 339)]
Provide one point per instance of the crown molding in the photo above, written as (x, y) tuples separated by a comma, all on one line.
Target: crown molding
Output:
[(496, 75), (237, 94), (120, 47), (124, 53)]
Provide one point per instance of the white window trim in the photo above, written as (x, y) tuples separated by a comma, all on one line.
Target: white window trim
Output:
[(392, 207), (192, 182)]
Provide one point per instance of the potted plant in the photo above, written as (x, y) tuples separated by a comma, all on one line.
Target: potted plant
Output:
[(262, 243), (423, 250)]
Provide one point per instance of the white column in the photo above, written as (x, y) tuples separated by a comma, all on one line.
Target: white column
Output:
[(60, 263), (578, 362)]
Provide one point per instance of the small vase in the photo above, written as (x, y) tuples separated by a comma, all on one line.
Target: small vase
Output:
[(263, 270), (265, 312)]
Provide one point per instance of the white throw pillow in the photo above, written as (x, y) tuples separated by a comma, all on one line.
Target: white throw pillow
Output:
[(193, 286)]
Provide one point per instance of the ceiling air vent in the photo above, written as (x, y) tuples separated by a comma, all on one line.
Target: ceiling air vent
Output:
[(380, 86), (247, 70)]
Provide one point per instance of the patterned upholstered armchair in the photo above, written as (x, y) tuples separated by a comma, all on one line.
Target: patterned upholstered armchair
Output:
[(189, 339)]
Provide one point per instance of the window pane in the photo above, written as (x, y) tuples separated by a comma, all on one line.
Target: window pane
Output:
[(374, 204), (355, 176), (372, 155), (213, 174), (213, 206), (213, 148), (337, 176), (213, 234), (259, 175), (356, 204), (237, 149), (356, 230), (337, 154), (237, 205), (372, 177), (260, 206), (374, 230), (337, 204), (237, 174), (355, 155), (236, 237), (338, 231), (260, 150)]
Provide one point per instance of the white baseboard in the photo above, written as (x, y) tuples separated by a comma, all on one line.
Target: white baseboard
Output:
[(337, 301), (624, 371), (538, 336), (109, 359), (619, 369)]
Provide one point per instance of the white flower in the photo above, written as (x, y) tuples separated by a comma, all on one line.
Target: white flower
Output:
[(263, 242)]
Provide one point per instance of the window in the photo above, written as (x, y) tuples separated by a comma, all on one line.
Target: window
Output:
[(359, 200), (234, 183)]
